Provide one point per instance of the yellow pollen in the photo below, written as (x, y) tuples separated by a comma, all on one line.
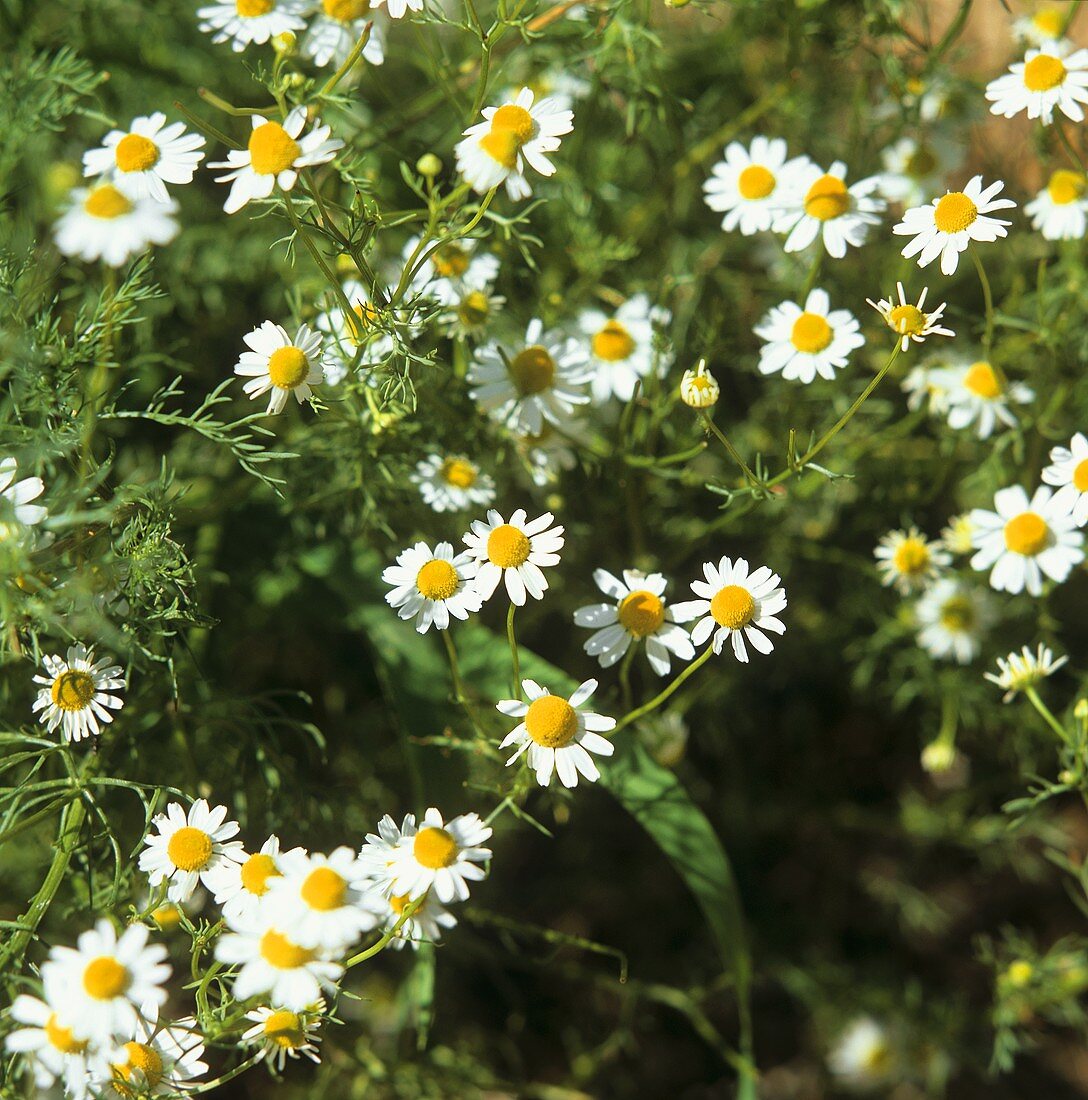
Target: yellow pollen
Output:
[(1049, 22), (345, 11), (954, 212), (1027, 534), (437, 580), (287, 367), (278, 951), (911, 557), (1080, 476), (755, 182), (982, 381), (450, 262), (271, 149), (958, 615), (398, 903), (167, 916), (906, 320), (105, 978), (474, 309), (551, 721), (532, 370), (1043, 73), (256, 871), (733, 606), (514, 120), (458, 473), (284, 1028), (1066, 187), (105, 201), (61, 1038), (613, 343), (72, 690), (507, 547), (502, 146), (811, 333), (827, 198), (641, 613), (435, 848), (189, 849), (251, 9), (142, 1060), (324, 889), (135, 153)]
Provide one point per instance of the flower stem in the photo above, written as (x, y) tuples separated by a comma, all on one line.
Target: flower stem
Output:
[(409, 910), (988, 298), (660, 698), (1046, 714), (349, 62), (455, 674), (625, 674), (732, 451), (514, 658)]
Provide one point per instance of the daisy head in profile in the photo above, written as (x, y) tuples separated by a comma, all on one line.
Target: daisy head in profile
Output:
[(746, 186), (432, 586), (911, 322), (805, 342), (1052, 77), (104, 222), (77, 692), (1020, 671), (281, 1033), (1060, 211), (147, 156), (281, 366), (1045, 24), (515, 551), (1068, 473)]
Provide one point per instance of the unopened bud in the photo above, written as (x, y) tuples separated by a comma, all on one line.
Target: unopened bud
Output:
[(938, 757), (1020, 973), (284, 43), (428, 166), (699, 388)]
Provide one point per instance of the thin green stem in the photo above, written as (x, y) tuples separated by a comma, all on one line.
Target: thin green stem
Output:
[(732, 451), (349, 62), (1045, 713), (1070, 148), (988, 298), (667, 692), (455, 672), (373, 950), (625, 674), (515, 660)]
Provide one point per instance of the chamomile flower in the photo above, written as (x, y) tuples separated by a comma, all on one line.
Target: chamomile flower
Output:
[(379, 851), (100, 987), (910, 322), (471, 314), (543, 380), (517, 551), (699, 388), (16, 511), (958, 536), (976, 394), (281, 1033), (158, 1059), (914, 169), (952, 619), (735, 604), (1049, 78), (335, 29), (908, 560), (1068, 471), (425, 924), (147, 156), (639, 613), (1024, 540), (358, 340), (431, 586), (1060, 210), (397, 8), (243, 21), (512, 135), (621, 346), (547, 454), (239, 884), (926, 386), (77, 692), (557, 735), (820, 206), (862, 1056), (804, 343), (946, 226), (273, 156), (452, 483), (1045, 24), (746, 186), (279, 366), (103, 223), (1025, 669), (443, 856), (189, 848), (448, 270)]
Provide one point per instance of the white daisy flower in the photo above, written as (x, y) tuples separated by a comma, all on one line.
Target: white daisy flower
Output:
[(862, 1057), (1068, 471), (541, 381), (452, 483), (281, 1033), (910, 322), (353, 342), (820, 205), (76, 692), (103, 223), (336, 28), (558, 736), (735, 604), (425, 925), (472, 313), (432, 586), (804, 343), (100, 987), (621, 347), (280, 366), (243, 21), (517, 552), (1025, 669), (16, 511), (747, 185), (515, 134), (1023, 541), (158, 1059), (147, 156), (914, 169), (440, 856), (926, 386), (1044, 25), (975, 393), (189, 848), (946, 226), (699, 388), (958, 536), (952, 619), (908, 560), (639, 613), (1049, 78), (1060, 210), (239, 884), (273, 157), (450, 270), (548, 454), (379, 851), (397, 8)]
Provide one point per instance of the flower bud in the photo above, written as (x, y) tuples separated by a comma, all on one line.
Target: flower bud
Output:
[(284, 43), (938, 757), (428, 166), (699, 388), (1019, 973)]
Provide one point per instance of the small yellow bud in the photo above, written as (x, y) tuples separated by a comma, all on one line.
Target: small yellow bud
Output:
[(1080, 711), (284, 43), (938, 757), (295, 80), (428, 166), (699, 388), (1020, 973)]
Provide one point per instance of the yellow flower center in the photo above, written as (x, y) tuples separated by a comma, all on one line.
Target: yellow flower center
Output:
[(450, 261), (398, 903), (511, 128), (278, 951), (958, 615), (135, 153), (323, 889), (437, 580), (1043, 73), (755, 182), (271, 149), (982, 381), (435, 848), (167, 915), (911, 557), (508, 547), (72, 689), (733, 606), (287, 367), (613, 343), (251, 9), (921, 162), (256, 871), (877, 1058), (1080, 476), (1049, 22), (906, 320), (1027, 534), (105, 978), (1065, 186), (954, 212), (827, 198), (142, 1060), (474, 309), (532, 370), (284, 1029), (105, 201), (458, 472), (189, 849), (345, 11), (61, 1038), (641, 613), (551, 721), (811, 333)]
